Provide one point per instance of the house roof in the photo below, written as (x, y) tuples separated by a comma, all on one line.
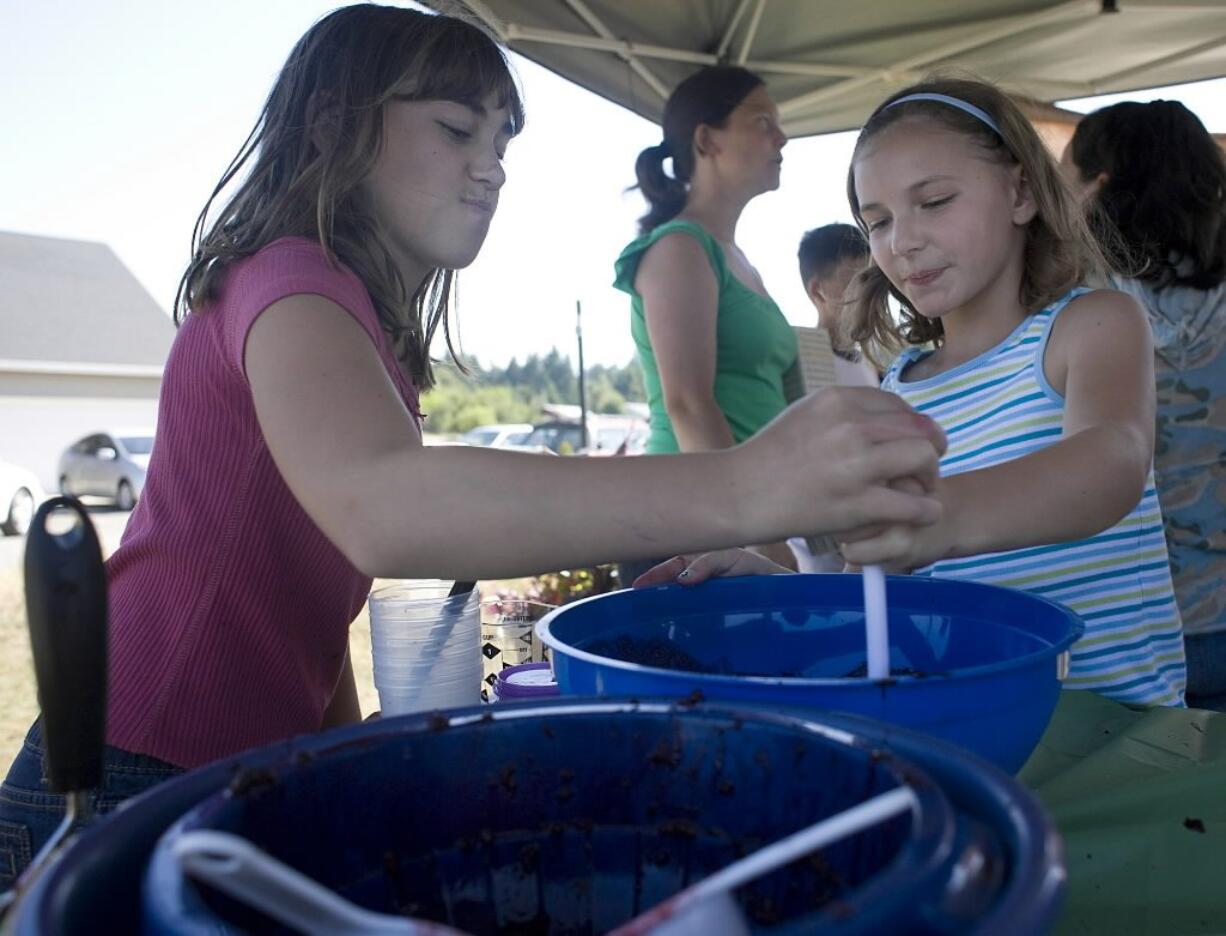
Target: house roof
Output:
[(73, 305)]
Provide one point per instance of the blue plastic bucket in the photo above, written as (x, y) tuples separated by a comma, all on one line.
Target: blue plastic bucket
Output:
[(575, 819), (985, 663), (96, 886)]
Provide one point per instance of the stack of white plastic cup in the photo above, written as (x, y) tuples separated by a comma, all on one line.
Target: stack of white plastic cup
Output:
[(425, 647)]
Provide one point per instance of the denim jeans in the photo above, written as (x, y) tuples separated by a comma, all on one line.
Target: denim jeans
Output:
[(1206, 670), (30, 812)]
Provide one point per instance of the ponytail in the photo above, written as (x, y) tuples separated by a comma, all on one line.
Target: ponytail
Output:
[(665, 194)]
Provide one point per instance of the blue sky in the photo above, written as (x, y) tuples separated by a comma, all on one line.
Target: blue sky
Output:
[(119, 118)]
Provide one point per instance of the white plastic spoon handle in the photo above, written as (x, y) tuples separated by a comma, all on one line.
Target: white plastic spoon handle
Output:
[(237, 868), (876, 623), (850, 821), (685, 914)]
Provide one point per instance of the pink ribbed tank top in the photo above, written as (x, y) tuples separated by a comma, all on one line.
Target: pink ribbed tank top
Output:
[(230, 609)]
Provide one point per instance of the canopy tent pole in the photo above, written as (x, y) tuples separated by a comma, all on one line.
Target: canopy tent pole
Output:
[(731, 30), (1010, 26), (620, 47), (752, 31), (1165, 60), (598, 27)]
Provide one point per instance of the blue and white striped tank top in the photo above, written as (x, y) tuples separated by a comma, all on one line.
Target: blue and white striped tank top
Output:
[(999, 407)]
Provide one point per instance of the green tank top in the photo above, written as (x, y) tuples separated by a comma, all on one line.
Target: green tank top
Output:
[(755, 345)]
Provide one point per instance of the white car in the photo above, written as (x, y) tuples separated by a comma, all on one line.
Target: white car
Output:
[(20, 494), (498, 435), (107, 464)]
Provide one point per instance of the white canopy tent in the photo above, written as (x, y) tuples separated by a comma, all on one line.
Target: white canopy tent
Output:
[(829, 62)]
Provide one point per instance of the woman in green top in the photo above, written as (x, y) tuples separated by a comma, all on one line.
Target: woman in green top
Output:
[(719, 359)]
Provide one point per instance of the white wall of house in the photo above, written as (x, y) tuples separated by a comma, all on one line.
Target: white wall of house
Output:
[(41, 414)]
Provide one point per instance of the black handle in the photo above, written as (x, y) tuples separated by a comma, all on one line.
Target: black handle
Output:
[(67, 613), (461, 588)]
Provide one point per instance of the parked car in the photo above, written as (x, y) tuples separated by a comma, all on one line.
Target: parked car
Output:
[(498, 435), (108, 464), (607, 435), (20, 494), (619, 436), (561, 438)]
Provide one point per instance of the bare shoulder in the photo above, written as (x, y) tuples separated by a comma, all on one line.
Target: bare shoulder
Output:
[(1103, 308), (1103, 318), (1104, 327), (311, 314), (676, 256), (303, 331)]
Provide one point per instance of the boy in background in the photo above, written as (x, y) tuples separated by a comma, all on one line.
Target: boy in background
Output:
[(830, 256)]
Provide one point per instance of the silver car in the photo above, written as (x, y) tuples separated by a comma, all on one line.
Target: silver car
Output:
[(499, 435), (107, 464), (20, 494)]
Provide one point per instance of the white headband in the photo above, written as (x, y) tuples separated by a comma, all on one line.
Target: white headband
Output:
[(977, 112)]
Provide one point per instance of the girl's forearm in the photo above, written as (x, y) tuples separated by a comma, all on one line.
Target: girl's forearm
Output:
[(1071, 490), (544, 513), (700, 426)]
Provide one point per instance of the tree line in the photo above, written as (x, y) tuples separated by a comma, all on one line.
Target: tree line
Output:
[(514, 393)]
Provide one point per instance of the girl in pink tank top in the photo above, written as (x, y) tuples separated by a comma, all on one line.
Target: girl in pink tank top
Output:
[(289, 467)]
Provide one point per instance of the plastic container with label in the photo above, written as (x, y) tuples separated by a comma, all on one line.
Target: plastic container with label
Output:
[(526, 682)]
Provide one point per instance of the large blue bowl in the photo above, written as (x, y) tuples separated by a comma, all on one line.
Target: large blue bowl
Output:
[(982, 665), (572, 819), (96, 884)]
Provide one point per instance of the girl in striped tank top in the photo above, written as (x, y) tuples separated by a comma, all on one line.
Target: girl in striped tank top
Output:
[(1045, 388)]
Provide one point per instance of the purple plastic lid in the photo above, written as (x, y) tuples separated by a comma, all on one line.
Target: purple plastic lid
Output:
[(526, 681)]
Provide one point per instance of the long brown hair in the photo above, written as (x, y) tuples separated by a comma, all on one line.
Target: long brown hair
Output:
[(1164, 193), (1060, 252), (347, 67)]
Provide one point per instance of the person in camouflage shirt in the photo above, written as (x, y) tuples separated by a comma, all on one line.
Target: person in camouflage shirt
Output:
[(1155, 180)]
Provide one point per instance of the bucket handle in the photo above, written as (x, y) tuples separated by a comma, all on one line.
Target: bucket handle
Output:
[(66, 608), (240, 870), (687, 913)]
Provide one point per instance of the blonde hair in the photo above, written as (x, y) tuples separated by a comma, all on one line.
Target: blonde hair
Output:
[(1060, 252), (318, 137)]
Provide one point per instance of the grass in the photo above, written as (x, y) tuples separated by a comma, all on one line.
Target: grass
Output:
[(18, 701)]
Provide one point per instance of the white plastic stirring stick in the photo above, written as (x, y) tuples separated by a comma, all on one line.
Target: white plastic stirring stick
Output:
[(248, 874), (876, 623), (850, 821), (680, 907)]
